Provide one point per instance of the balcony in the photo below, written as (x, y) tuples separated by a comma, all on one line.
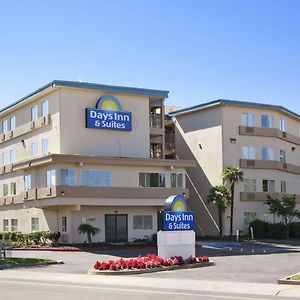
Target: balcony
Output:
[(262, 196), (269, 132), (269, 165), (28, 127), (80, 195)]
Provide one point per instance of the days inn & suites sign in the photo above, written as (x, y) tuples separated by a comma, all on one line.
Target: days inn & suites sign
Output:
[(108, 114)]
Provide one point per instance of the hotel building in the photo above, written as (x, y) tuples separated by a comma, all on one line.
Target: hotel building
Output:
[(65, 162), (262, 140)]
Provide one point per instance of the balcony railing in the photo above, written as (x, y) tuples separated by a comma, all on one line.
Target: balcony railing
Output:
[(155, 121)]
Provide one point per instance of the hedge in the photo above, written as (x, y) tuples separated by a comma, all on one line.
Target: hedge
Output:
[(262, 229), (33, 238)]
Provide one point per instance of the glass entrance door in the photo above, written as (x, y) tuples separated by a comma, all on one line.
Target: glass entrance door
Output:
[(116, 228)]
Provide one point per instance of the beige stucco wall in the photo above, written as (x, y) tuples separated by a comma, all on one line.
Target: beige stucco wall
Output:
[(103, 142), (23, 116)]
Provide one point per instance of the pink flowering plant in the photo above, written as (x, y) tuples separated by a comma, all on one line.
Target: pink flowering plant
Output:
[(148, 262)]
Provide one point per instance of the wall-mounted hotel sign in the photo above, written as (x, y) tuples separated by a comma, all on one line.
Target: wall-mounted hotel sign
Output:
[(108, 114)]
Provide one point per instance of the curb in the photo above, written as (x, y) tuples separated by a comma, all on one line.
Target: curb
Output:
[(288, 280), (58, 262), (83, 249), (143, 271)]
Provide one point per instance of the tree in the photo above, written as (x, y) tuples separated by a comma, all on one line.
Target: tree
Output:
[(89, 230), (284, 209), (233, 175), (219, 195)]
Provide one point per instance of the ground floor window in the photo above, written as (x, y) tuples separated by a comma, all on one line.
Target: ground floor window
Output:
[(5, 225), (14, 224), (142, 222), (35, 226), (249, 217), (64, 224)]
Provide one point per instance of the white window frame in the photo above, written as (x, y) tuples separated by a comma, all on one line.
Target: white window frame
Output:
[(13, 156), (45, 146), (27, 182), (5, 127), (250, 185), (13, 188), (45, 108), (269, 152), (51, 178), (143, 225), (14, 225), (145, 179), (178, 177), (282, 156), (34, 149), (270, 185), (249, 152), (282, 124), (34, 113), (68, 180), (248, 119), (269, 121), (283, 187), (13, 123), (5, 225)]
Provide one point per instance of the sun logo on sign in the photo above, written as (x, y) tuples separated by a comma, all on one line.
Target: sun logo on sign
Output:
[(109, 103)]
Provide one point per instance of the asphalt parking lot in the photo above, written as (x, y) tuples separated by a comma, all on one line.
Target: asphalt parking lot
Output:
[(264, 263)]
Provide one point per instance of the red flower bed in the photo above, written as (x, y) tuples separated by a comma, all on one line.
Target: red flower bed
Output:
[(147, 262)]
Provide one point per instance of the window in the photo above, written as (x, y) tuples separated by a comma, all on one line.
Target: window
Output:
[(5, 126), (64, 224), (45, 108), (282, 156), (5, 158), (35, 226), (13, 188), (177, 180), (51, 178), (283, 186), (5, 225), (248, 120), (67, 177), (142, 222), (34, 149), (13, 123), (267, 153), (34, 113), (5, 189), (249, 217), (248, 152), (152, 180), (45, 149), (250, 185), (27, 182), (14, 224), (13, 157), (266, 121), (282, 124), (95, 178), (268, 185)]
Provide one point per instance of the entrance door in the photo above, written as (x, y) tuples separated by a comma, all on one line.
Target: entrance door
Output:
[(116, 228)]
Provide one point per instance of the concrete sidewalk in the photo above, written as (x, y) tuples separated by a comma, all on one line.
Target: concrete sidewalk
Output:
[(257, 290)]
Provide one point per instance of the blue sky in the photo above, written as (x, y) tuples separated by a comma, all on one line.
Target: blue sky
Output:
[(198, 50)]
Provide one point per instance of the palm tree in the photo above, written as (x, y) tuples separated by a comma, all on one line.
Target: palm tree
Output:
[(233, 175), (89, 229), (219, 195)]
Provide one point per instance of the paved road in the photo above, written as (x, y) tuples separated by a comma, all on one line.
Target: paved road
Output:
[(237, 274)]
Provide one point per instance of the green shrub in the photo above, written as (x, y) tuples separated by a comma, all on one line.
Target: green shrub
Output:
[(277, 231), (295, 230), (260, 228), (154, 238)]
